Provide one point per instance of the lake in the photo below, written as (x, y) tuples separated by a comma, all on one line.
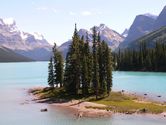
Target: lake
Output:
[(17, 108)]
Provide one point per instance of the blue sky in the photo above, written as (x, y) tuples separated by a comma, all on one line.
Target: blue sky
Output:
[(55, 19)]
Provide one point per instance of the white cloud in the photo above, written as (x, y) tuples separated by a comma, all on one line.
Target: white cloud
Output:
[(99, 13), (54, 10), (86, 13), (42, 8), (72, 13)]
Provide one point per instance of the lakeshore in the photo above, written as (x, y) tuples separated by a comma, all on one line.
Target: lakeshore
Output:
[(16, 110), (117, 103)]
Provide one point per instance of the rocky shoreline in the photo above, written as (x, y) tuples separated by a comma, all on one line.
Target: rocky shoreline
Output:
[(80, 108)]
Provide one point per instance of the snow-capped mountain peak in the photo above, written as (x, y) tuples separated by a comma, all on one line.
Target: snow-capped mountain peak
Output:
[(1, 22), (23, 35), (38, 36), (9, 21), (30, 45)]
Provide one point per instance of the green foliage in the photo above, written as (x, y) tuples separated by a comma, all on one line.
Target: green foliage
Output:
[(86, 72), (55, 69), (116, 102), (50, 74), (58, 67), (73, 65), (122, 103), (95, 64), (144, 59)]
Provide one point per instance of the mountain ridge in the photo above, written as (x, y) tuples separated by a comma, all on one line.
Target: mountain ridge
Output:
[(111, 37), (7, 55), (144, 24), (18, 41)]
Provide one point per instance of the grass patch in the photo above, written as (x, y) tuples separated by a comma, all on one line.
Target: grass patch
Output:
[(116, 102), (119, 102)]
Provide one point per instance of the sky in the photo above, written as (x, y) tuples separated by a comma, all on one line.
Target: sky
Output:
[(55, 19)]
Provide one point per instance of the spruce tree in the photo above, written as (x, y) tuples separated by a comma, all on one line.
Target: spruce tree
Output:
[(89, 61), (58, 67), (108, 69), (50, 73), (103, 70), (72, 68), (95, 64)]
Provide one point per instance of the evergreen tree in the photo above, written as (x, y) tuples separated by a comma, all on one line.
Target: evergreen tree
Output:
[(103, 70), (95, 64), (50, 73), (68, 76), (89, 61), (144, 58), (108, 69), (72, 68), (100, 61), (58, 67)]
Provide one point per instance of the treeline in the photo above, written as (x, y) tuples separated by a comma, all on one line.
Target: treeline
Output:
[(142, 59), (87, 70)]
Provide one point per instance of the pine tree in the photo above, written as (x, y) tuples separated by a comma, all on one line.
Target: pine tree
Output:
[(104, 67), (50, 73), (58, 67), (89, 61), (72, 68), (95, 64), (108, 69), (100, 61), (68, 76)]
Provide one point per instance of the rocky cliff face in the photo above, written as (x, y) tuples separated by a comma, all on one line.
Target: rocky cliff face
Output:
[(161, 20), (142, 25), (23, 43)]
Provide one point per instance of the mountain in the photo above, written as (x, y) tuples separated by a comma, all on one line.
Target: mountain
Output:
[(150, 39), (7, 55), (161, 20), (112, 38), (33, 46), (125, 33), (143, 24)]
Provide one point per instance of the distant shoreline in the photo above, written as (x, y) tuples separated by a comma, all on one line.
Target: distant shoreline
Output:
[(83, 108)]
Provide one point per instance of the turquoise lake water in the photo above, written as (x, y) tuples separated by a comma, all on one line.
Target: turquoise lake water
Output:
[(17, 108)]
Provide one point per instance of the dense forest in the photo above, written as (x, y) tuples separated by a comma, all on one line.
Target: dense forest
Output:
[(142, 59), (85, 71)]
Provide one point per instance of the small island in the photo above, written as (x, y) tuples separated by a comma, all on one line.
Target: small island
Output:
[(116, 102), (84, 82)]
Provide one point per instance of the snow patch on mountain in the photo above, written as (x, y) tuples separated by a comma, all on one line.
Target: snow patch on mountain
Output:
[(34, 46), (38, 36), (9, 21)]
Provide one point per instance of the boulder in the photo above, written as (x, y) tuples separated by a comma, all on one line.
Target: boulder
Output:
[(44, 110)]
